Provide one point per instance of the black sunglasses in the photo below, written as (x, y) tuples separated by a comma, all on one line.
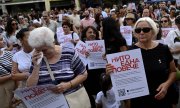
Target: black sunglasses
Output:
[(164, 21), (145, 30)]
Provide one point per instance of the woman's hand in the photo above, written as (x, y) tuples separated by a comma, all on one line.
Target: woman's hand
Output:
[(36, 55), (62, 87), (162, 91), (109, 69), (87, 54)]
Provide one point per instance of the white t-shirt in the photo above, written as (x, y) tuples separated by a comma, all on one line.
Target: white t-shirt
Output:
[(23, 60), (24, 63), (66, 39), (173, 42), (109, 101)]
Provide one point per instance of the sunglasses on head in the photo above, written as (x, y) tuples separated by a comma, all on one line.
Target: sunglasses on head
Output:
[(145, 30), (165, 21)]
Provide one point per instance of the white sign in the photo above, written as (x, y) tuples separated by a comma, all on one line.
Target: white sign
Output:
[(41, 97), (96, 50), (81, 50), (128, 77), (178, 2), (126, 32), (165, 31)]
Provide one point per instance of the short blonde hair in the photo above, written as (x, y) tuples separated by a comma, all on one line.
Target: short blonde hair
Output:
[(151, 23), (41, 36)]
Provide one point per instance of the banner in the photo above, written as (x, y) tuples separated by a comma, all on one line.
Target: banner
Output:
[(128, 77)]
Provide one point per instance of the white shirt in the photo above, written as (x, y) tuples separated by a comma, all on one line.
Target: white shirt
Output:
[(169, 40), (24, 63), (109, 101), (65, 40)]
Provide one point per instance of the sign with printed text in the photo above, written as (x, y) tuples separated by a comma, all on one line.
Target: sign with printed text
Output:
[(165, 31), (41, 97), (128, 77), (96, 50), (126, 32), (81, 50)]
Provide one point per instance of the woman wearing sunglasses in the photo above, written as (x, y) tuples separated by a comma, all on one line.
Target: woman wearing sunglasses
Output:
[(165, 22), (159, 67)]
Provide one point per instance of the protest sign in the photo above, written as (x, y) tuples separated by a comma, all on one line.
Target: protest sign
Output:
[(81, 50), (41, 97), (126, 32), (96, 50), (128, 77)]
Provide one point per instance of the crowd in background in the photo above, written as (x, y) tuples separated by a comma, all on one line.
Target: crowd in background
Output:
[(17, 50)]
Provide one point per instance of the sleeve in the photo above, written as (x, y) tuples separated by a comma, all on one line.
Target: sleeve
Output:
[(99, 98), (77, 65), (75, 36)]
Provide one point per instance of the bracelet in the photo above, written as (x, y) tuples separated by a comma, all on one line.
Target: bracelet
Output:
[(71, 84)]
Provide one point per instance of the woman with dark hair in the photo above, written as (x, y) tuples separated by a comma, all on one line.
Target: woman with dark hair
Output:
[(10, 35), (114, 42), (21, 61), (98, 20), (68, 37), (91, 29), (92, 84), (166, 22)]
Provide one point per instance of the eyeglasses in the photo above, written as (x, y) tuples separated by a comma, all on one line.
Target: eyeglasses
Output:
[(14, 24), (164, 21), (145, 30)]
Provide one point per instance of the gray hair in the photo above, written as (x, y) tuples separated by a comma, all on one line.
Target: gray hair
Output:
[(41, 36), (151, 23)]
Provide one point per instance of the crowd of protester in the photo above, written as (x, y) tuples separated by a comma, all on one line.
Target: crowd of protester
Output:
[(25, 36)]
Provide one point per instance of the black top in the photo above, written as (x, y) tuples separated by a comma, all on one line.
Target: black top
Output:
[(156, 64)]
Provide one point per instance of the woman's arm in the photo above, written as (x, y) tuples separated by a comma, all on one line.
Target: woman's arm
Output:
[(34, 77), (9, 47), (16, 74), (5, 78), (78, 79), (162, 89)]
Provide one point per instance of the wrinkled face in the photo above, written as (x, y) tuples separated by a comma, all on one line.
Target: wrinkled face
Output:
[(46, 17), (145, 13), (66, 28), (164, 22), (46, 50), (90, 34), (143, 32)]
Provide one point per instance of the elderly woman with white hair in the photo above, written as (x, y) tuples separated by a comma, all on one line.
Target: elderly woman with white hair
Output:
[(159, 67), (60, 62)]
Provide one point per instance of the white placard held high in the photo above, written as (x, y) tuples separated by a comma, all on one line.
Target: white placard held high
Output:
[(128, 77), (96, 50), (81, 50)]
